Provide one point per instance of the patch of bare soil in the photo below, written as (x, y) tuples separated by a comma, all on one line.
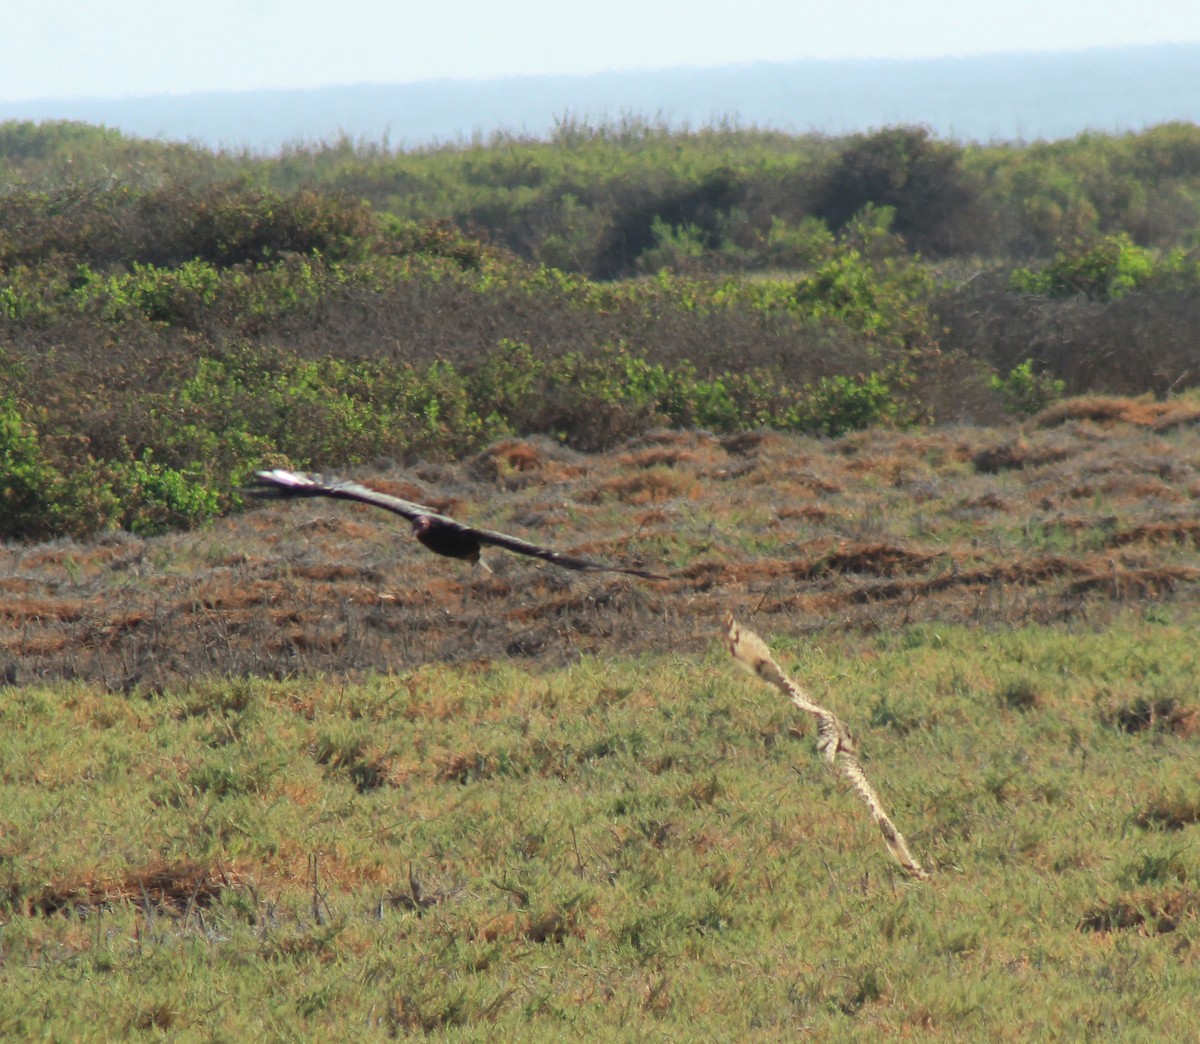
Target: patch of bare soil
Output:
[(870, 532)]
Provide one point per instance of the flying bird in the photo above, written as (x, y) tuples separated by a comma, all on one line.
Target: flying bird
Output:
[(440, 533)]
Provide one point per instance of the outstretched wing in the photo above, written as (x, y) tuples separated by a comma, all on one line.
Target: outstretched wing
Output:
[(524, 547), (282, 483)]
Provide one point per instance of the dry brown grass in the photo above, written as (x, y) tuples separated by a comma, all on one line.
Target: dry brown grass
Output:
[(1156, 913), (1155, 715), (1144, 412), (175, 886), (517, 463), (659, 483), (868, 532)]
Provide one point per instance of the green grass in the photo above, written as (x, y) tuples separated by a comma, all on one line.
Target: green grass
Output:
[(617, 849)]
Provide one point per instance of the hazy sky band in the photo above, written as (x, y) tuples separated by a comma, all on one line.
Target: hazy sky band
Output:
[(80, 48)]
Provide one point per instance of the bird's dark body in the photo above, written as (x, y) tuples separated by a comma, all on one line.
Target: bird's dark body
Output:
[(447, 540), (440, 533)]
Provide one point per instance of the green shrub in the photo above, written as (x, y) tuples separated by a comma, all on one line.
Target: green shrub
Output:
[(1104, 271), (1025, 392), (233, 225), (38, 499), (154, 498), (27, 479), (870, 285), (34, 295), (796, 246), (677, 247), (174, 296), (838, 404), (507, 387)]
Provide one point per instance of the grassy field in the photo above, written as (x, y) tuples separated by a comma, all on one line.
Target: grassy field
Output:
[(291, 776)]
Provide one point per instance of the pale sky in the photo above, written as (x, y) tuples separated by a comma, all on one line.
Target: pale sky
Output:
[(113, 48)]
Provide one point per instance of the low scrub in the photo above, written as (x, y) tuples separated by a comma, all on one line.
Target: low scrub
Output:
[(168, 383), (162, 337)]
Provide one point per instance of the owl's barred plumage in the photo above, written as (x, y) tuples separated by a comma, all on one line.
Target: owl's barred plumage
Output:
[(834, 740), (440, 533)]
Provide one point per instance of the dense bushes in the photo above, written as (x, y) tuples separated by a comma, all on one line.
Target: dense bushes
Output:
[(47, 491), (938, 205), (167, 330), (1107, 315), (158, 388), (222, 225), (602, 200)]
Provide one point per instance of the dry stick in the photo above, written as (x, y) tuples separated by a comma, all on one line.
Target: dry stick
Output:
[(834, 741)]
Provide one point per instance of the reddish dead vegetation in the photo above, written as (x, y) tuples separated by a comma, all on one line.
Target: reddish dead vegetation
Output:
[(464, 768), (1146, 413), (1022, 574), (329, 571), (906, 531), (550, 927), (644, 487), (1018, 454), (1169, 813), (1165, 714), (658, 456), (1157, 915), (25, 610), (887, 561), (1179, 531), (174, 887), (411, 491), (867, 560), (807, 512), (518, 463), (1133, 584)]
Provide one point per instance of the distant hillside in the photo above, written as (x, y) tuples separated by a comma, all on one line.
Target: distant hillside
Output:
[(996, 97)]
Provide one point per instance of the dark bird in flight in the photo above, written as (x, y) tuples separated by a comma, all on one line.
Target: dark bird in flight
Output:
[(440, 533)]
